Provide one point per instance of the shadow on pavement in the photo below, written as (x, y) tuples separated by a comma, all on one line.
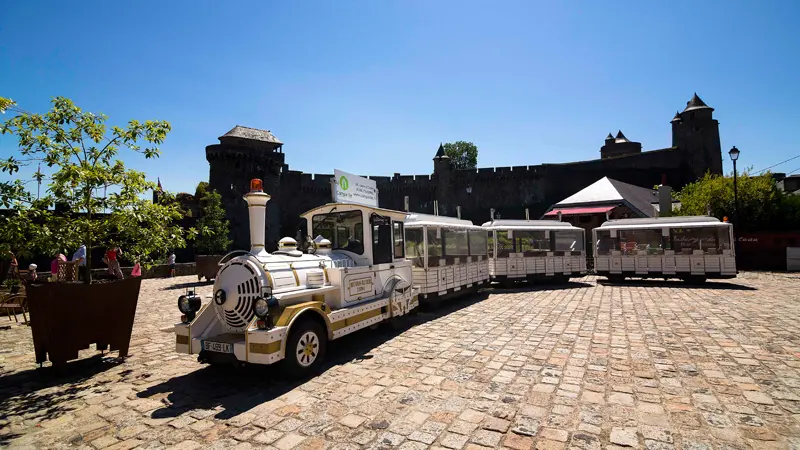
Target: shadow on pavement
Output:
[(711, 284), (189, 285), (240, 389), (42, 393), (535, 286)]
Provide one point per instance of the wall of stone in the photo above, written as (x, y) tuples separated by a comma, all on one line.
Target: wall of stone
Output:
[(509, 190)]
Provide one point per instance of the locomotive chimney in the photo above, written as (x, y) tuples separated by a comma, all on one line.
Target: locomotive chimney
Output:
[(257, 208)]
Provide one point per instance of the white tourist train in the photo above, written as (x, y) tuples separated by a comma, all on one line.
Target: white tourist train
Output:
[(522, 250), (287, 305), (691, 248), (449, 255)]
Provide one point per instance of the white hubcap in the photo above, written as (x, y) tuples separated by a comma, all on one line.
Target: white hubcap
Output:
[(307, 348)]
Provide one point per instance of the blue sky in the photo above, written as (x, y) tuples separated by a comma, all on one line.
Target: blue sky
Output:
[(374, 86)]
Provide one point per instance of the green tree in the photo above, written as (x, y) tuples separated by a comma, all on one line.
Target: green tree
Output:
[(761, 204), (82, 153), (463, 155), (201, 190), (213, 228)]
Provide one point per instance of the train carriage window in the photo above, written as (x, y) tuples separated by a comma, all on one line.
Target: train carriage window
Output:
[(477, 242), (382, 248), (531, 241), (505, 245), (723, 239), (399, 241), (434, 247), (456, 242), (415, 241), (640, 242), (344, 229), (706, 239), (604, 242), (568, 240), (491, 244)]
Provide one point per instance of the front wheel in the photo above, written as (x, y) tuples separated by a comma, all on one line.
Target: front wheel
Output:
[(305, 348)]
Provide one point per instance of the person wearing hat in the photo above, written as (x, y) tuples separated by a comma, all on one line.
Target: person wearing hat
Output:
[(32, 273)]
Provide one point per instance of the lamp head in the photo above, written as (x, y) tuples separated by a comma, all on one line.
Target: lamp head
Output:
[(734, 153)]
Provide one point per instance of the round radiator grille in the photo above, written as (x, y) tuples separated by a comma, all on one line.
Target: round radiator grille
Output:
[(240, 280)]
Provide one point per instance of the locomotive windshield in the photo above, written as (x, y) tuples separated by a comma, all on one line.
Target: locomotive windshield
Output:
[(344, 229)]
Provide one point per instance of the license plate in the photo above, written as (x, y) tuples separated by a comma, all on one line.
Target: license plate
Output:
[(219, 347)]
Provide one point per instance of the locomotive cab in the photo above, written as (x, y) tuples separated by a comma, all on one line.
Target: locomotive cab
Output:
[(286, 305)]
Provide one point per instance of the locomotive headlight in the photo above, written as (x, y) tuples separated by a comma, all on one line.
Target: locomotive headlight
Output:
[(261, 308), (189, 305), (183, 304)]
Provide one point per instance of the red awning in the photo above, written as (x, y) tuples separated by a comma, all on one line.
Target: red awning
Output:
[(580, 210)]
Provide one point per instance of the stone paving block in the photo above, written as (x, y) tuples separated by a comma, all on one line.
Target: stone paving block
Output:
[(667, 360)]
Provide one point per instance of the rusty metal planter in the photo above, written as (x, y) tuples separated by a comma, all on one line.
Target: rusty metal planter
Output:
[(69, 317), (207, 266)]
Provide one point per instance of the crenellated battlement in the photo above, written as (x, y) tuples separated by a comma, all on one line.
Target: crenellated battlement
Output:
[(245, 153)]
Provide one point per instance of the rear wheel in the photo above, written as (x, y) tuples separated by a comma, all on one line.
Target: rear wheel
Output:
[(305, 348)]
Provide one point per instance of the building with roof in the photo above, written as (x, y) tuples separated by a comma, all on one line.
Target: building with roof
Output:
[(244, 153), (605, 196)]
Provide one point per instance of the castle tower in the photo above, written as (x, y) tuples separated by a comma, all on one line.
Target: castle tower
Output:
[(695, 132), (442, 173), (619, 146), (243, 154)]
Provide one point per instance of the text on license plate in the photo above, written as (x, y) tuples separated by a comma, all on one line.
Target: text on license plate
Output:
[(220, 347)]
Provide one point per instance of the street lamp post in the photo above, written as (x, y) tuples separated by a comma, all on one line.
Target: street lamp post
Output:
[(734, 154)]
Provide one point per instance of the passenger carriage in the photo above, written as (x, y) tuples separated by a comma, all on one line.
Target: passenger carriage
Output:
[(690, 248), (522, 250), (449, 255), (287, 305)]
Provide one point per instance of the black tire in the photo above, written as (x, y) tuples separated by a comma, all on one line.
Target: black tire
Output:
[(695, 279), (295, 362), (615, 278)]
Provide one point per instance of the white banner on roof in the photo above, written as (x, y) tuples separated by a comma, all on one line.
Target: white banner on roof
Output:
[(349, 188)]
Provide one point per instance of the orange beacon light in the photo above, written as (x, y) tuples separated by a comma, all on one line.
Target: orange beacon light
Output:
[(256, 185)]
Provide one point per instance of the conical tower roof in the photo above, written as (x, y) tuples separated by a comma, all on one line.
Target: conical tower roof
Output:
[(609, 137), (620, 137), (696, 103), (677, 117), (440, 153)]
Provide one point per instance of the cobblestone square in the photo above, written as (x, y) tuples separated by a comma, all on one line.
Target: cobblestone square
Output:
[(644, 364)]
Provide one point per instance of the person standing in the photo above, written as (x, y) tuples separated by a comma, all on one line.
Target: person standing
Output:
[(58, 258), (112, 255), (80, 257), (13, 268), (172, 265)]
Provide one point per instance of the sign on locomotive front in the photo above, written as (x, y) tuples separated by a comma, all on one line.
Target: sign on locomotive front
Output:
[(349, 188)]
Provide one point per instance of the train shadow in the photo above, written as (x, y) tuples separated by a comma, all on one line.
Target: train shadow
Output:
[(189, 285), (675, 284), (233, 390), (534, 286)]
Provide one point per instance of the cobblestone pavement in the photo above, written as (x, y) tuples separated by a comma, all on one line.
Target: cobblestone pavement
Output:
[(591, 366)]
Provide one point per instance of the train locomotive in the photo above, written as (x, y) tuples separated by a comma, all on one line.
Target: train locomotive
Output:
[(285, 306)]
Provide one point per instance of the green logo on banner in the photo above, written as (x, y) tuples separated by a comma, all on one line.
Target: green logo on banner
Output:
[(343, 183)]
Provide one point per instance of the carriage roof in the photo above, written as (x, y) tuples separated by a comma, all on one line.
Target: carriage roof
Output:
[(419, 220), (661, 222), (397, 216), (511, 224)]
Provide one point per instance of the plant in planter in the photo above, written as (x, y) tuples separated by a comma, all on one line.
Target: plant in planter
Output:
[(91, 199), (212, 240)]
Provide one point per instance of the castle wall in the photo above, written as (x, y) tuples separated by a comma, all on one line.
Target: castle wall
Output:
[(509, 190)]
